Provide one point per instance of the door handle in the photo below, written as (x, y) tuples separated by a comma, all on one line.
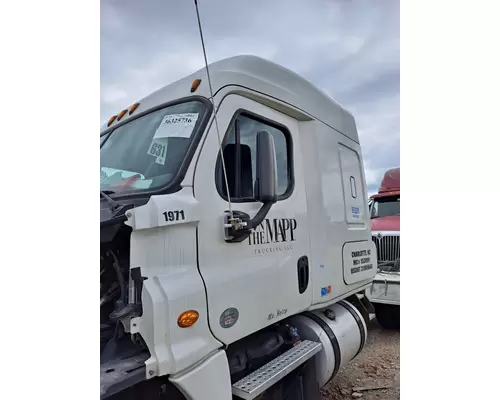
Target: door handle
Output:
[(303, 273)]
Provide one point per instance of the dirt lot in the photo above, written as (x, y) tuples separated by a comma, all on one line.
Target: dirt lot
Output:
[(376, 366)]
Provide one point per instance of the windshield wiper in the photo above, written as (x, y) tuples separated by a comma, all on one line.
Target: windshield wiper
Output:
[(114, 204)]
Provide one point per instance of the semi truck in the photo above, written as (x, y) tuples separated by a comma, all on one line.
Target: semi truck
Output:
[(385, 215), (235, 239)]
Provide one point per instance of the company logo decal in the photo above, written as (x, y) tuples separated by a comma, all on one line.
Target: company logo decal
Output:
[(274, 235)]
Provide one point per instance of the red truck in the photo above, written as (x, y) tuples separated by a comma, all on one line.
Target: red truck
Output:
[(384, 215)]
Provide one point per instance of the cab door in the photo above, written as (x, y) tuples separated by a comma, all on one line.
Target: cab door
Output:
[(264, 278)]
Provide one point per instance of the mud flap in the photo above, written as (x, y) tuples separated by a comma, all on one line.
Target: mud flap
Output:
[(363, 305)]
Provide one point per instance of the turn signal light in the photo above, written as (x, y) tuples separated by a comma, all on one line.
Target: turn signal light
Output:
[(188, 318)]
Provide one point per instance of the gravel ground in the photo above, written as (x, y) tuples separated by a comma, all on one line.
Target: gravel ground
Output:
[(377, 365)]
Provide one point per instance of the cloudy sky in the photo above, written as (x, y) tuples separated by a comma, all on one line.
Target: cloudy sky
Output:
[(348, 48)]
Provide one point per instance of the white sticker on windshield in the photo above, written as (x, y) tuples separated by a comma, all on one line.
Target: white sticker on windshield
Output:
[(176, 125), (158, 149)]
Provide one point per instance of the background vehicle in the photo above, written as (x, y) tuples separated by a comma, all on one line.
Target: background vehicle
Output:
[(233, 249), (385, 215)]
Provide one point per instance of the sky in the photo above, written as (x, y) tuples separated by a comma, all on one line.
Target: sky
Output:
[(348, 48)]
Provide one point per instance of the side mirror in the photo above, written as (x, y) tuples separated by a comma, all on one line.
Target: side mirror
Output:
[(240, 226), (265, 184)]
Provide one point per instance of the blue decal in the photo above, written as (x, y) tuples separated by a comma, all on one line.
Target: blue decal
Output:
[(326, 290), (355, 212)]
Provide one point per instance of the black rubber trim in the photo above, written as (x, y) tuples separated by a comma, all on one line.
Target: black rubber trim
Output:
[(358, 321), (331, 336), (197, 240)]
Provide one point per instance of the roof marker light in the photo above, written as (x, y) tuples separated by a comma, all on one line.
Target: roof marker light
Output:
[(122, 113), (195, 85), (133, 108), (111, 120)]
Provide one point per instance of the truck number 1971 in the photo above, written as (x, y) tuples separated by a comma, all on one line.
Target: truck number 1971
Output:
[(174, 215)]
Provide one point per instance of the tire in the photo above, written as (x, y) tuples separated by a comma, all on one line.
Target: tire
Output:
[(387, 316)]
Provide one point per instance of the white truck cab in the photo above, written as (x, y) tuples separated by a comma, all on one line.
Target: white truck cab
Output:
[(233, 249)]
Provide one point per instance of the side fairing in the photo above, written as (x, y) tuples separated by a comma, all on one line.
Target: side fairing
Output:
[(337, 213)]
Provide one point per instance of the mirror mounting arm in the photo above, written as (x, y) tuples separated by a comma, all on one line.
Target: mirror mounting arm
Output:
[(240, 227)]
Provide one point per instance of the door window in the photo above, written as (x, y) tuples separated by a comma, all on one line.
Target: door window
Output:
[(240, 158)]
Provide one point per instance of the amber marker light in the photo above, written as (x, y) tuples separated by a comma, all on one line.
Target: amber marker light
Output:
[(111, 120), (195, 85), (120, 116), (188, 318), (133, 108)]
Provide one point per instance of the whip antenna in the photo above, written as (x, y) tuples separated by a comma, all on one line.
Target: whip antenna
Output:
[(215, 111)]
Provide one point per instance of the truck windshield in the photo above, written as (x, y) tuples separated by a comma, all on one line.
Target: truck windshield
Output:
[(385, 207), (146, 153)]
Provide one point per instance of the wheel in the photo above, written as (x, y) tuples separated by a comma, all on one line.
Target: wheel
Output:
[(387, 316)]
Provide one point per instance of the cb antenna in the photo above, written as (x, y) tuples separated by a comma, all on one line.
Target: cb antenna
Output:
[(215, 112)]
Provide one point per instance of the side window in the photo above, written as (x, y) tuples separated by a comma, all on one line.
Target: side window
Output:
[(240, 158)]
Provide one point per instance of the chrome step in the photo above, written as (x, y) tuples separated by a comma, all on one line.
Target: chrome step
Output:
[(262, 379)]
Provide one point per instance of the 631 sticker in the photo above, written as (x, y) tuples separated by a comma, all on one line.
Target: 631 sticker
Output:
[(158, 149)]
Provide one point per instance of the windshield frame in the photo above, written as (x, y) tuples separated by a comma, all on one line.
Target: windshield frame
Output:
[(173, 185), (106, 135)]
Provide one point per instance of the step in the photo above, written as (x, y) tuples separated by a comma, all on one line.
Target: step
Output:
[(262, 379)]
